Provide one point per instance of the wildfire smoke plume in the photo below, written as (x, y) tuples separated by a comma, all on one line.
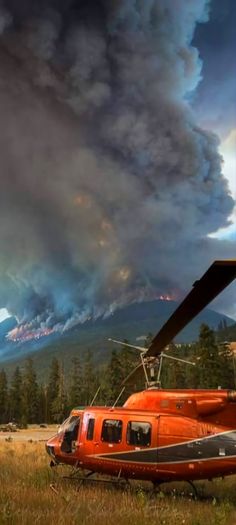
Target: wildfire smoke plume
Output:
[(108, 184)]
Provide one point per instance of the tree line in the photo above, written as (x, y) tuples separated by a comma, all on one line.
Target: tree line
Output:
[(24, 400)]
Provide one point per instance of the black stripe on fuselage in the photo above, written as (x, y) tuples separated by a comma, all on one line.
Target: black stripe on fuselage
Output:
[(219, 445)]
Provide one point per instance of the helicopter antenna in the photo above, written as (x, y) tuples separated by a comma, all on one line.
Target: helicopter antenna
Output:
[(95, 396), (117, 399)]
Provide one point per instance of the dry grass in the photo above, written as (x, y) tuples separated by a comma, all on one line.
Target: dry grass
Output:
[(27, 498)]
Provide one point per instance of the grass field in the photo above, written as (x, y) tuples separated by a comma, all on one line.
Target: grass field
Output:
[(32, 493)]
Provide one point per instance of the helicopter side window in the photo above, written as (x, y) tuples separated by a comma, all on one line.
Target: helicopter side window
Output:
[(111, 431), (90, 429), (139, 433)]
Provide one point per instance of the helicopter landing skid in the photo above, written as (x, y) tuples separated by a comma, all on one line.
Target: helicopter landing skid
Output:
[(195, 492), (120, 482), (157, 488), (76, 476)]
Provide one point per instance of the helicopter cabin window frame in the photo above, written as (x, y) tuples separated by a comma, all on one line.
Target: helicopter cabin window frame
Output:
[(90, 429), (136, 436), (112, 431)]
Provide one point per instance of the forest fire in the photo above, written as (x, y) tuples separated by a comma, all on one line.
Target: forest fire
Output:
[(165, 298), (24, 333)]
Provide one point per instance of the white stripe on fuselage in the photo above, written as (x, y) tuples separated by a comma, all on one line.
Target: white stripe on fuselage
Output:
[(109, 456)]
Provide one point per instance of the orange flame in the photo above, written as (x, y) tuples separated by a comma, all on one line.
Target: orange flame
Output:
[(25, 333)]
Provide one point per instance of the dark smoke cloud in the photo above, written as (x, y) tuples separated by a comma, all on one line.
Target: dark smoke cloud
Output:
[(109, 189)]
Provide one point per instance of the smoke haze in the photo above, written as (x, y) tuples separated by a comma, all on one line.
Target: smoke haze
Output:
[(109, 189)]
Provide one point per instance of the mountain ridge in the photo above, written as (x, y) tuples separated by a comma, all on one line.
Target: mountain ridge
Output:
[(133, 322)]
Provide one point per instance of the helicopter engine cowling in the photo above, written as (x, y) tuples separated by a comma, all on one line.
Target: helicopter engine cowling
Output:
[(198, 403), (207, 407)]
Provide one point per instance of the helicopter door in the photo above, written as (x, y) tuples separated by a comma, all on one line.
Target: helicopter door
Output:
[(177, 437)]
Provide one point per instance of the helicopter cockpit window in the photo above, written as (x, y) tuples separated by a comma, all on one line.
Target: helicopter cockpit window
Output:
[(111, 431), (139, 433), (70, 428), (63, 426), (68, 424), (90, 429)]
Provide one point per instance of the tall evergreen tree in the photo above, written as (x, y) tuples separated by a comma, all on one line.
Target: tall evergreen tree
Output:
[(129, 359), (42, 402), (114, 377), (30, 391), (56, 394), (75, 384), (193, 372), (53, 389), (89, 379), (215, 369), (227, 375), (59, 406), (3, 397), (15, 396), (173, 373)]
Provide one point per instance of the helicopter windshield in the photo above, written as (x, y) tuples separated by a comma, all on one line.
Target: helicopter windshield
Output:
[(69, 424), (69, 429)]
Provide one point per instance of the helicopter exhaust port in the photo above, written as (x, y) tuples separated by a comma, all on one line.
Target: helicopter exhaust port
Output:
[(232, 396)]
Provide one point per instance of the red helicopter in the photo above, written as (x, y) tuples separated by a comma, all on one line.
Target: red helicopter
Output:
[(158, 435)]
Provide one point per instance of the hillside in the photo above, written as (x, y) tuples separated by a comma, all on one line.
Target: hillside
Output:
[(6, 326), (133, 322)]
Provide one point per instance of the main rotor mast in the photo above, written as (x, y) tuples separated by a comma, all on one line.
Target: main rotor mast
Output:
[(152, 365)]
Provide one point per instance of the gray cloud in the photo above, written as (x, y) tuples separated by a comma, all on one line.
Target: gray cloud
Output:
[(109, 189)]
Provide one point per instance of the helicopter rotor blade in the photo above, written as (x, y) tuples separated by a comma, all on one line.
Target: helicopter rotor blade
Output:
[(218, 276)]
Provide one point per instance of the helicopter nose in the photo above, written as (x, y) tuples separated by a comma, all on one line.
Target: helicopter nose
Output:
[(50, 448)]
